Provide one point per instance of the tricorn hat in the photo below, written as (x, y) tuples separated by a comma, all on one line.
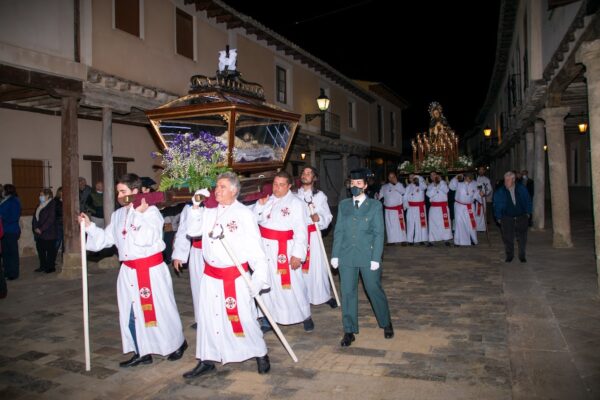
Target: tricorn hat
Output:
[(360, 173)]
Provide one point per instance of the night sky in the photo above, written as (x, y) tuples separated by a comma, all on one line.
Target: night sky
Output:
[(446, 49)]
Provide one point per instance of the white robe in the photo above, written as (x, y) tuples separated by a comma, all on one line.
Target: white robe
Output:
[(393, 196), (143, 239), (437, 231), (414, 231), (466, 193), (183, 251), (288, 306), (486, 186), (317, 278), (215, 338)]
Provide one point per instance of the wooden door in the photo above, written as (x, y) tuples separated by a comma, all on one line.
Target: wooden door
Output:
[(28, 178)]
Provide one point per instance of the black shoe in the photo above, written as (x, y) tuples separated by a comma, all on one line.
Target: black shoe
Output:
[(200, 369), (49, 271), (265, 326), (448, 244), (429, 244), (388, 331), (523, 259), (347, 339), (508, 259), (421, 243), (309, 325), (403, 244), (194, 325), (136, 360), (40, 269), (332, 303), (177, 354), (263, 364)]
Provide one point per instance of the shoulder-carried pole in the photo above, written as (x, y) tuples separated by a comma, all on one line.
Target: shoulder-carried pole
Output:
[(84, 288)]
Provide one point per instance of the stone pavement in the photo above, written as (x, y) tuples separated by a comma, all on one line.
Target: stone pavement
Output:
[(468, 326)]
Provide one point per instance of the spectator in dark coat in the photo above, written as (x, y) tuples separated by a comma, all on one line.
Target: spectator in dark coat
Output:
[(45, 232), (10, 212), (527, 182)]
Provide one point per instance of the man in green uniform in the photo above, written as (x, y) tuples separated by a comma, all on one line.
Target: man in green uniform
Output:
[(357, 247)]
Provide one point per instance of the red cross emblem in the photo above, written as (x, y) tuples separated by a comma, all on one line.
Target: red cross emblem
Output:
[(281, 259), (285, 211), (145, 292), (230, 303), (232, 226)]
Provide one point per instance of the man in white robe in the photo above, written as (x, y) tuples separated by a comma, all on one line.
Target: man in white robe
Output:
[(189, 250), (392, 194), (440, 228), (464, 213), (319, 217), (485, 185), (416, 217), (148, 315), (228, 330), (282, 219)]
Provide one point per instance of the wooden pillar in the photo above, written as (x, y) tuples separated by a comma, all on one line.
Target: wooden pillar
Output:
[(70, 182), (107, 165)]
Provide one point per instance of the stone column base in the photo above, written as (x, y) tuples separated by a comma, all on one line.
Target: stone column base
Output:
[(109, 263), (71, 266)]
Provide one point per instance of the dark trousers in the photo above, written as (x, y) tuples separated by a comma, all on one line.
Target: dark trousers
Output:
[(10, 255), (46, 250), (372, 283), (511, 227), (168, 238)]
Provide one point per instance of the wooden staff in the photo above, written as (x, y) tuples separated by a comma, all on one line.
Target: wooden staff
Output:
[(84, 288), (258, 299), (322, 246)]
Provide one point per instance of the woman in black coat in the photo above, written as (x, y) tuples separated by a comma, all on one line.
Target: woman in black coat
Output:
[(45, 229)]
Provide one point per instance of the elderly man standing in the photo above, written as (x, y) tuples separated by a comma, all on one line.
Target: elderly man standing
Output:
[(512, 209), (439, 214), (357, 249), (464, 215), (228, 330), (416, 217), (319, 217), (283, 223), (392, 194)]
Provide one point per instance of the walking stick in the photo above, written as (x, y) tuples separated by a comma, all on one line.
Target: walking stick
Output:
[(258, 299), (322, 246), (84, 288)]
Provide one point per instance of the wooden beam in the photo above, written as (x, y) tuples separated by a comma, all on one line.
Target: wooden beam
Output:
[(201, 5), (70, 174), (224, 18), (108, 201), (39, 80), (20, 94), (214, 12), (87, 157), (234, 24)]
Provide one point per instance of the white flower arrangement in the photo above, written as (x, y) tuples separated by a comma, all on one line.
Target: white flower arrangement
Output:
[(433, 163), (406, 167), (464, 161)]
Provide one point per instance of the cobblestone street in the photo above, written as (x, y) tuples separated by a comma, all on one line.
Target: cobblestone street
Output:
[(468, 326)]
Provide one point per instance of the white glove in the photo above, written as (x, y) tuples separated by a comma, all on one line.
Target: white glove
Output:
[(203, 192), (374, 265), (335, 263)]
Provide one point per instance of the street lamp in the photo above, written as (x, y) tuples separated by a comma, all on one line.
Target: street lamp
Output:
[(323, 104), (582, 127), (487, 131)]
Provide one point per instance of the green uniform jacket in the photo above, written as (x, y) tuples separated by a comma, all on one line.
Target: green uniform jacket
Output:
[(359, 233)]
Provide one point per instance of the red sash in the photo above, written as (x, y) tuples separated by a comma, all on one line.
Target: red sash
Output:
[(311, 228), (228, 275), (197, 243), (142, 269), (421, 205), (479, 207), (283, 264), (470, 210), (444, 205), (400, 215)]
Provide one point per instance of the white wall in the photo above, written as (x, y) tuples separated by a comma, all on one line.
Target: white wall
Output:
[(41, 25), (28, 135)]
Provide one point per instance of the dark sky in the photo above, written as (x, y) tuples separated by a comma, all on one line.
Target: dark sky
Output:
[(444, 49)]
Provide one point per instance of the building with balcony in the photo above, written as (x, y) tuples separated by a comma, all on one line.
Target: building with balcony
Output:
[(541, 110), (77, 76)]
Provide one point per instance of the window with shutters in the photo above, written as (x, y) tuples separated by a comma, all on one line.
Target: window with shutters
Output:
[(184, 33)]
